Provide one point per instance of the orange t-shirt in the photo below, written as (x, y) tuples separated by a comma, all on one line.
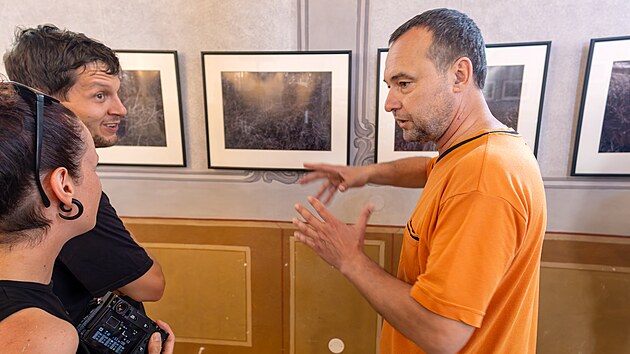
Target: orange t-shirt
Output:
[(472, 246)]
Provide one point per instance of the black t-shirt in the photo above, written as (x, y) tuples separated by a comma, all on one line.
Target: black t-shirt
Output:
[(101, 260), (18, 295)]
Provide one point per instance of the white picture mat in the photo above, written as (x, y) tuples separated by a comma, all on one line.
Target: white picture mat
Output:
[(171, 154), (214, 64), (533, 57), (588, 158)]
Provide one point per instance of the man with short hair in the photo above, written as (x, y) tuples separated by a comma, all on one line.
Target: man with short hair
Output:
[(84, 75), (469, 269)]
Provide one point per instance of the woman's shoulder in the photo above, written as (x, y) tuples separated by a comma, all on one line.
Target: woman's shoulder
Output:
[(33, 330)]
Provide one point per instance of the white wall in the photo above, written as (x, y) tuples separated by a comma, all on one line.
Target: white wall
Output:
[(590, 205)]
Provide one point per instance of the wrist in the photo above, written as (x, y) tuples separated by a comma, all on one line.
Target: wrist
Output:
[(370, 172), (356, 265)]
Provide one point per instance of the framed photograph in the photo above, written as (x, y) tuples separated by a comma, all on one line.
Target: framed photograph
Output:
[(602, 144), (276, 110), (152, 132), (514, 91)]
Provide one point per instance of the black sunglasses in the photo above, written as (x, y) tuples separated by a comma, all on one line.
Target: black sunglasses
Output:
[(38, 99)]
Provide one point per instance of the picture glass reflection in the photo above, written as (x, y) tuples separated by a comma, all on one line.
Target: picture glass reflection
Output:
[(503, 89), (141, 93), (616, 126), (277, 110)]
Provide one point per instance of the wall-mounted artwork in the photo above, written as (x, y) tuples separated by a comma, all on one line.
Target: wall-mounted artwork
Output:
[(276, 110), (151, 134), (514, 91), (602, 144)]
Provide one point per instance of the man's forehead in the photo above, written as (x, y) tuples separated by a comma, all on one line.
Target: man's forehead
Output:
[(408, 48), (94, 66), (96, 75), (415, 41), (397, 59)]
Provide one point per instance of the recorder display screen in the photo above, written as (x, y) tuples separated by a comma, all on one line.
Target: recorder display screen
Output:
[(115, 337)]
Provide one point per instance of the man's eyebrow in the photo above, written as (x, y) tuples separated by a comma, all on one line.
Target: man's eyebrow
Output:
[(399, 76), (97, 85)]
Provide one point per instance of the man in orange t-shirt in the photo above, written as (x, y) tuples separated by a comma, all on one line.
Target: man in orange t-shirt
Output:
[(469, 269)]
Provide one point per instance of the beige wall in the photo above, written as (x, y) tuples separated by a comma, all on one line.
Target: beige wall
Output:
[(590, 205)]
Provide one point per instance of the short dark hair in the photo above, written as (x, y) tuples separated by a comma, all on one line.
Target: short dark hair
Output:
[(46, 58), (455, 35), (21, 206)]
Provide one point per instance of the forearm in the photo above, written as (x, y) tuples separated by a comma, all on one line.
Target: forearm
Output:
[(409, 172), (391, 298)]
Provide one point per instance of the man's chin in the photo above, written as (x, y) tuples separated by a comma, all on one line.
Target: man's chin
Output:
[(415, 138), (101, 142), (411, 136)]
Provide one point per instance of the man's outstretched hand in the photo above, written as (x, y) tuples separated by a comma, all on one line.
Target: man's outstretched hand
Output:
[(336, 178)]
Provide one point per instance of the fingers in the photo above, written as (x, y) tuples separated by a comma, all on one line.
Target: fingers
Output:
[(304, 239), (155, 343), (328, 197), (308, 230), (321, 210), (332, 172), (334, 180), (324, 189), (310, 177), (305, 233), (309, 219), (321, 167)]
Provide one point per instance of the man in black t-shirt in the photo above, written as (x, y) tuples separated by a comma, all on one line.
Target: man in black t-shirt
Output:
[(84, 75)]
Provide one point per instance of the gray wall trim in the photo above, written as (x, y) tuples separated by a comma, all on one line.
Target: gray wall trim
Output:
[(363, 127), (302, 23)]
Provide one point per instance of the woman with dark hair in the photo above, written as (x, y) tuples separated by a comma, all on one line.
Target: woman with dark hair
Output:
[(49, 193)]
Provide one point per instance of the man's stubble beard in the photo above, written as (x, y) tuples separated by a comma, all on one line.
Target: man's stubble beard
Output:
[(432, 129), (101, 142)]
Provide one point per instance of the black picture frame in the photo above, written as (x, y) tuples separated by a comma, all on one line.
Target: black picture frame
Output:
[(152, 133), (602, 142), (276, 110)]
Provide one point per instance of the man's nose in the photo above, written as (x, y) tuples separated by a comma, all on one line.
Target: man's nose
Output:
[(392, 103), (118, 108)]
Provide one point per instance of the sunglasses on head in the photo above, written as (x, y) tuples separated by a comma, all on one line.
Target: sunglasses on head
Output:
[(38, 99)]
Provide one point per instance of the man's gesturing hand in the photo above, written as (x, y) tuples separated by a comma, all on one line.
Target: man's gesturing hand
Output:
[(337, 243)]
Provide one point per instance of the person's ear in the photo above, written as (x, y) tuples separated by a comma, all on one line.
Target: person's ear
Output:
[(62, 185), (462, 71)]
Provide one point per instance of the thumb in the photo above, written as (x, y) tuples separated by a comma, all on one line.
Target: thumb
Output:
[(155, 343), (365, 215)]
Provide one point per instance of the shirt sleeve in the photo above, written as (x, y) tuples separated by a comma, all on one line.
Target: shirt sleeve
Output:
[(106, 257), (473, 245)]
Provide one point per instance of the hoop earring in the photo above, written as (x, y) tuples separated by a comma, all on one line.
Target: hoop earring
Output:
[(73, 217)]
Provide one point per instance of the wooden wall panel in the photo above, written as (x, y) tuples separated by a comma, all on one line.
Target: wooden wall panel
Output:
[(584, 293), (267, 247), (217, 314), (325, 306), (606, 253), (583, 311)]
